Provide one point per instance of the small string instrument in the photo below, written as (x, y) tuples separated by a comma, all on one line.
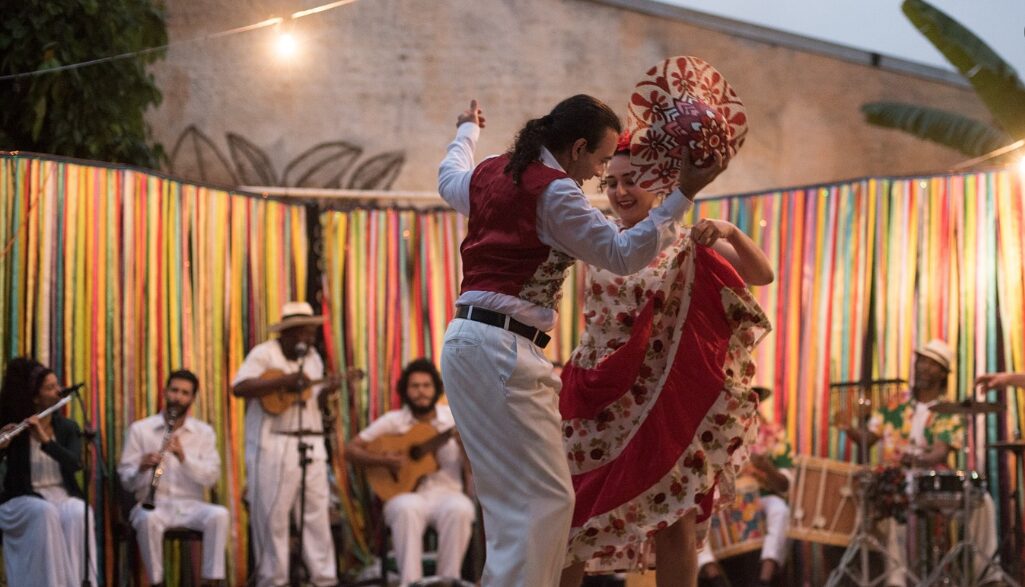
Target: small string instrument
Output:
[(420, 445), (279, 400)]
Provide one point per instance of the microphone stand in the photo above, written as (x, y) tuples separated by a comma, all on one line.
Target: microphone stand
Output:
[(89, 434), (304, 460)]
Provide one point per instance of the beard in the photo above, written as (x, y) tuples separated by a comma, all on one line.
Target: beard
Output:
[(422, 410)]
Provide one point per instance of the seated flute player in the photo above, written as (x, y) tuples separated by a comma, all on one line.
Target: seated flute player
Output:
[(169, 461), (437, 498), (42, 515)]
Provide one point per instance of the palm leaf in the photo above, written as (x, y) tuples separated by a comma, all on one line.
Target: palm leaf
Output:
[(994, 80), (969, 136)]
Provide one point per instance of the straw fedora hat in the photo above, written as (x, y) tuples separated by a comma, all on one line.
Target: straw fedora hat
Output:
[(296, 314)]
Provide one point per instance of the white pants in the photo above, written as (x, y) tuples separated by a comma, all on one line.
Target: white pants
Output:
[(450, 513), (43, 541), (982, 532), (150, 525), (505, 399), (777, 522), (273, 497)]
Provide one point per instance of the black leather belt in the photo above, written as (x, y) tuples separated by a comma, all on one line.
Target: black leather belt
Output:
[(500, 320)]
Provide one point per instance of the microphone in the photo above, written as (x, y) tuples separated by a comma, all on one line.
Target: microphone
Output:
[(66, 391), (301, 349)]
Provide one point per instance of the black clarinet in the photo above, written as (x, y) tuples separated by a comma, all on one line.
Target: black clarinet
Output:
[(158, 471)]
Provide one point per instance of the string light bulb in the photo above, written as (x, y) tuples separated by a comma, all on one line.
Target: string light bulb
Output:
[(286, 45), (1021, 165)]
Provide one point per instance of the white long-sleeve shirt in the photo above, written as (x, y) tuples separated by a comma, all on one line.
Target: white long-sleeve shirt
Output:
[(567, 222), (180, 480)]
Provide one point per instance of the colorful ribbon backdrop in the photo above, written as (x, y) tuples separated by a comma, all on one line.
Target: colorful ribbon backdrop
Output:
[(114, 277)]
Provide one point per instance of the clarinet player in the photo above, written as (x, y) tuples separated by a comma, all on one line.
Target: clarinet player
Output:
[(169, 461)]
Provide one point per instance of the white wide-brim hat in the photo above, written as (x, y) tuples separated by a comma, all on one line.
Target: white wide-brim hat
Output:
[(296, 314)]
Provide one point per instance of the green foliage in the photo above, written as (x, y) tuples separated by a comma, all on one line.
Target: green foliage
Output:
[(994, 80), (969, 136), (93, 112)]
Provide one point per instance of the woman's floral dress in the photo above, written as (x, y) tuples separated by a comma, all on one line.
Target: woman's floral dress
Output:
[(657, 405)]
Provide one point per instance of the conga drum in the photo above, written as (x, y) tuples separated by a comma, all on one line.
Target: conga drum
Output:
[(822, 501)]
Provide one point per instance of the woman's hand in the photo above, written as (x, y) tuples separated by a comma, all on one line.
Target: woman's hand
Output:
[(708, 230)]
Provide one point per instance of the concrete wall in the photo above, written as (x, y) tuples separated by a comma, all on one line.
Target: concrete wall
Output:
[(381, 81)]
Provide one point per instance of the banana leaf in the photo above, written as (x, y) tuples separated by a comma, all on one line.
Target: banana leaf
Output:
[(994, 80), (967, 135)]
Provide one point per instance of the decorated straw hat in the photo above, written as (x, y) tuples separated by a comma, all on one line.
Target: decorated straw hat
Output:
[(937, 350), (296, 314), (682, 104)]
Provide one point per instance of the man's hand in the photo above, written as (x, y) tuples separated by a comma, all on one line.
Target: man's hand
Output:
[(394, 461), (709, 230), (472, 114), (693, 179), (148, 461), (294, 382), (175, 446)]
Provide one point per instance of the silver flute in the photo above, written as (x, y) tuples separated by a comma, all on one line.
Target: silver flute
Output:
[(6, 436), (158, 471)]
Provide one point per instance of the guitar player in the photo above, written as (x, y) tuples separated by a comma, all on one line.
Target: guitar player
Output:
[(437, 499), (271, 447)]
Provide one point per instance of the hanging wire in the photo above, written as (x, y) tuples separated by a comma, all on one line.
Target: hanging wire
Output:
[(132, 54)]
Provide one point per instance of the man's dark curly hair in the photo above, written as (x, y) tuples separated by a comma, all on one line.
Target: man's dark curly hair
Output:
[(420, 365)]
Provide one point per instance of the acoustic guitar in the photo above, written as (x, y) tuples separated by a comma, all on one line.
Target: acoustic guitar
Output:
[(420, 445)]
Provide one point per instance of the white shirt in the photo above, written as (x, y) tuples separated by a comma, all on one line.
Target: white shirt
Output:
[(180, 480), (918, 420), (567, 222), (46, 471), (450, 457), (261, 427)]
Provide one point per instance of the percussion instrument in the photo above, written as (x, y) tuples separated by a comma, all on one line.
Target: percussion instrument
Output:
[(740, 528), (822, 501), (944, 490), (968, 407)]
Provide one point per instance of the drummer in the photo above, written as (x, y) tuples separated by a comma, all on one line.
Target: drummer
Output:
[(916, 437)]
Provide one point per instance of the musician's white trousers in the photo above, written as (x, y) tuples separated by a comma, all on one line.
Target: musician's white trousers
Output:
[(982, 533), (273, 497), (43, 541), (505, 399), (777, 522), (150, 525), (449, 512)]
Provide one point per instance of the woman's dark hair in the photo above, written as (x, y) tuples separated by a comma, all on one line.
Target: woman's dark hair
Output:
[(185, 375), (22, 380), (578, 117), (419, 366)]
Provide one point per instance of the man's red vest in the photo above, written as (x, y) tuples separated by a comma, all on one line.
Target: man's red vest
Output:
[(501, 252)]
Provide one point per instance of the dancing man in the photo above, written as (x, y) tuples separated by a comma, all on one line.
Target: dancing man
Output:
[(528, 221)]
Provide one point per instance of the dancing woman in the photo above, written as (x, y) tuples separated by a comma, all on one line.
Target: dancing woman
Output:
[(656, 402)]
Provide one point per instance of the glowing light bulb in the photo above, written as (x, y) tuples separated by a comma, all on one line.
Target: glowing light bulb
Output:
[(1021, 165), (286, 46)]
